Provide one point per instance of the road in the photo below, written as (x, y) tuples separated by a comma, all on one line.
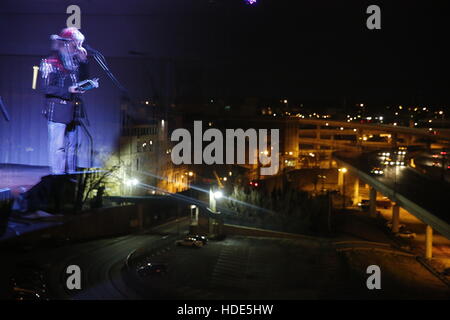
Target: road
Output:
[(235, 268), (430, 194), (430, 163), (101, 263)]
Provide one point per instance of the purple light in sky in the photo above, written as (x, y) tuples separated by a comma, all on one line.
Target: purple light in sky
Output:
[(250, 1)]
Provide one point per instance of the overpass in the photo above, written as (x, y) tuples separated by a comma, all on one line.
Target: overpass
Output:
[(425, 199), (436, 134), (321, 137)]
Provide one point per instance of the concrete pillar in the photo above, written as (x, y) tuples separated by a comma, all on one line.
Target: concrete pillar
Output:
[(358, 136), (212, 201), (372, 202), (394, 140), (356, 192), (318, 137), (340, 179), (395, 218), (194, 215), (428, 242)]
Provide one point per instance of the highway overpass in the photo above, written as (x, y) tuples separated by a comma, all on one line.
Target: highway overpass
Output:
[(426, 199)]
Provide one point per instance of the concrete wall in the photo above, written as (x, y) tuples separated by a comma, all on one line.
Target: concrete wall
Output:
[(108, 222)]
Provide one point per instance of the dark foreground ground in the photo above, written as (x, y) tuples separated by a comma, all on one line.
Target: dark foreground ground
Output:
[(234, 268)]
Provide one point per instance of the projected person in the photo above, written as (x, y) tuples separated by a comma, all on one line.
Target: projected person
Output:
[(61, 72)]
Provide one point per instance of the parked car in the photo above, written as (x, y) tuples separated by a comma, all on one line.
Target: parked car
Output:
[(203, 239), (364, 204), (151, 269), (407, 234), (190, 242)]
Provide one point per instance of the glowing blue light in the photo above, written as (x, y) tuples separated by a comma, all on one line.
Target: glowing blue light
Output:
[(250, 1)]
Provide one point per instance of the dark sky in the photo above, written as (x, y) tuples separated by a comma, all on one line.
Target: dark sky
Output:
[(318, 50), (304, 50)]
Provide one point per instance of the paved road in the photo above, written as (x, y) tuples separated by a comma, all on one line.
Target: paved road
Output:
[(253, 268), (236, 268), (433, 166), (101, 263)]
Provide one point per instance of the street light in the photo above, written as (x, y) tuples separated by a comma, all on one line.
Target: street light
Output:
[(131, 183)]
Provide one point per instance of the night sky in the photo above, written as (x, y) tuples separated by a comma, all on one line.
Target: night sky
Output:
[(322, 51), (311, 52)]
